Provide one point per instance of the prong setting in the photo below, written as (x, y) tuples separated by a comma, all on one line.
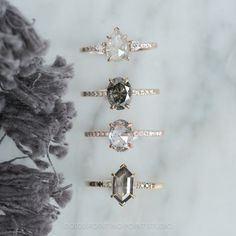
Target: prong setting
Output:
[(130, 125), (113, 107), (130, 145), (123, 166), (116, 28)]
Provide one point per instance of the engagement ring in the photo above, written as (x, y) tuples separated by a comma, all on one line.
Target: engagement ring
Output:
[(123, 185), (118, 47), (121, 135), (119, 93)]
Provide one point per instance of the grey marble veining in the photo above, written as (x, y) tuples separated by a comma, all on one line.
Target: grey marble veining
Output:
[(194, 67)]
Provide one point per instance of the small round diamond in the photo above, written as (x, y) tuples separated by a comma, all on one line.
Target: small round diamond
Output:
[(119, 93), (120, 135)]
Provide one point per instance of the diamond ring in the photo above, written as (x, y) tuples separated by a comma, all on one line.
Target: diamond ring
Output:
[(118, 47), (121, 135), (123, 185), (119, 93)]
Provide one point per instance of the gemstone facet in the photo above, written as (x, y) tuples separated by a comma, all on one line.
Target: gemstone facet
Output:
[(117, 46), (120, 135), (123, 182), (119, 93)]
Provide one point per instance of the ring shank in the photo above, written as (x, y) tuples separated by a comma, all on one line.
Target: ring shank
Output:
[(144, 92), (101, 184), (98, 49), (136, 133), (89, 49), (136, 46), (148, 133), (97, 93), (148, 185), (137, 185), (96, 134), (135, 92)]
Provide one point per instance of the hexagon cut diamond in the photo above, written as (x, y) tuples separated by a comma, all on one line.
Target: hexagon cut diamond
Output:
[(120, 135), (123, 182), (119, 93), (117, 46)]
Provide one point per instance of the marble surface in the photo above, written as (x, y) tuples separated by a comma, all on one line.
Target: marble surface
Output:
[(195, 69)]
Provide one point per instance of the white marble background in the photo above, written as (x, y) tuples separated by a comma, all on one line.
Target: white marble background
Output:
[(195, 68)]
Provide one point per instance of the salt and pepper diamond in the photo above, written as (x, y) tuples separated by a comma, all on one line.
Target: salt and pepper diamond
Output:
[(123, 185), (121, 135), (119, 93)]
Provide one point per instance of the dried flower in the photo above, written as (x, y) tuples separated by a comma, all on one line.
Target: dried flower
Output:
[(19, 44), (34, 116), (25, 196)]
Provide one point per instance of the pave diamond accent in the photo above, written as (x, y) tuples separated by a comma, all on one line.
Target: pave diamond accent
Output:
[(137, 46), (148, 185), (120, 135), (99, 93), (117, 46), (147, 133), (144, 92), (99, 48), (96, 134), (123, 185), (119, 93)]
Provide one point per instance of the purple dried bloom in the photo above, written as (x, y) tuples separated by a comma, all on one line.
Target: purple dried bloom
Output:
[(39, 224), (19, 44), (58, 151), (26, 190), (32, 112), (34, 115), (2, 102), (43, 86)]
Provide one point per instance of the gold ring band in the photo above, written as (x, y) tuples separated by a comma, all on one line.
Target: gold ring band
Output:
[(137, 185)]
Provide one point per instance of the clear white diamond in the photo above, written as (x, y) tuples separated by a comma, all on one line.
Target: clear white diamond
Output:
[(117, 46), (121, 135), (100, 48)]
